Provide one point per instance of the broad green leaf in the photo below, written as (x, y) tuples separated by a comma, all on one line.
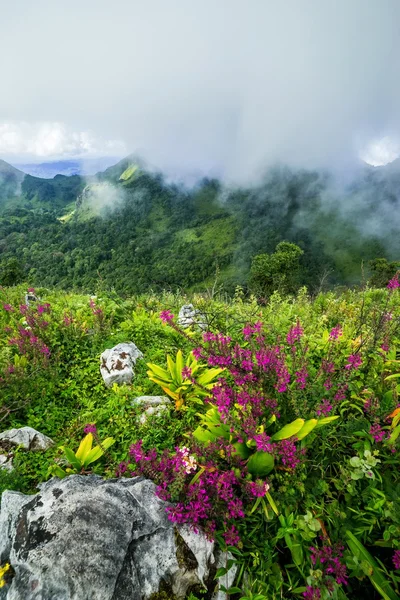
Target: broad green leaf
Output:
[(84, 447), (289, 430), (272, 503), (325, 421), (93, 455), (241, 450), (159, 372), (306, 429), (208, 376), (381, 584), (71, 457), (179, 366), (204, 436), (394, 435), (395, 376), (260, 463)]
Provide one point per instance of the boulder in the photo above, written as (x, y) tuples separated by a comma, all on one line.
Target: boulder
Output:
[(188, 316), (6, 462), (84, 538), (152, 405), (27, 437), (116, 364)]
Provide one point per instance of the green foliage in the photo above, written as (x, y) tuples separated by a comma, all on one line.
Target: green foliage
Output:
[(180, 388), (276, 272), (83, 457)]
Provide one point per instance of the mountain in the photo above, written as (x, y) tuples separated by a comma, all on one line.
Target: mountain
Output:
[(84, 167), (10, 181), (132, 229)]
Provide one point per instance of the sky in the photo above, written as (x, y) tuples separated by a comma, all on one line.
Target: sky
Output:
[(219, 86)]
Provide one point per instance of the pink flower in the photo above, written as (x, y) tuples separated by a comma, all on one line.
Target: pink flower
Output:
[(166, 316), (394, 283), (294, 334), (335, 333), (186, 372), (8, 308), (396, 559), (90, 428), (353, 362), (231, 536)]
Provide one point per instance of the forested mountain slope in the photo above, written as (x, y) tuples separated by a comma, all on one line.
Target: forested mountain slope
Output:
[(133, 231)]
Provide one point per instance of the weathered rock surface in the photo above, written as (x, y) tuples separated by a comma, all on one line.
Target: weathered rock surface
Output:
[(27, 437), (6, 462), (83, 538), (116, 364), (152, 405), (188, 316)]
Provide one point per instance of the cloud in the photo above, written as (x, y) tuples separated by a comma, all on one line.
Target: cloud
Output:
[(48, 139), (217, 85)]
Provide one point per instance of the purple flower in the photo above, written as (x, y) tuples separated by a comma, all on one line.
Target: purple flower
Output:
[(377, 432), (23, 309), (166, 316), (258, 488), (394, 283), (353, 362), (186, 372), (311, 593), (301, 378), (335, 333), (324, 408), (231, 536), (396, 559), (294, 334), (90, 428), (8, 307)]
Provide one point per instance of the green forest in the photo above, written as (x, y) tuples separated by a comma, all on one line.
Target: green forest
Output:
[(131, 230)]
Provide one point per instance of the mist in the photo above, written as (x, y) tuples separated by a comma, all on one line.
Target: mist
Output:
[(220, 87)]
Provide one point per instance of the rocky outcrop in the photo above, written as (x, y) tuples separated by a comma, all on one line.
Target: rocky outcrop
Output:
[(26, 437), (116, 364), (151, 405), (84, 538), (189, 316)]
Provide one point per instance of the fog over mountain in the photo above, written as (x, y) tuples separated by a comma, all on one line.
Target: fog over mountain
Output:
[(226, 87)]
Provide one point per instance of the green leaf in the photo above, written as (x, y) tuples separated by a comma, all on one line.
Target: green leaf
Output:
[(84, 447), (241, 450), (325, 421), (159, 372), (71, 457), (260, 463), (203, 436), (179, 366), (381, 584), (208, 376), (289, 430), (394, 435), (306, 429)]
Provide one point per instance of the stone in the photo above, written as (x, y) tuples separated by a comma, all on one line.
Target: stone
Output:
[(84, 537), (152, 406), (188, 316), (6, 462), (116, 364), (27, 437)]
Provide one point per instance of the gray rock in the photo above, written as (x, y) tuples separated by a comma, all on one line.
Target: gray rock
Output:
[(152, 406), (116, 364), (6, 462), (188, 316), (85, 538), (27, 437)]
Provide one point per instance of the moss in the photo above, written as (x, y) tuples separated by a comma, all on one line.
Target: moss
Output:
[(164, 593)]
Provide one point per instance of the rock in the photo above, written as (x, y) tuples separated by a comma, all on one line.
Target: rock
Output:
[(6, 462), (84, 537), (152, 405), (189, 316), (116, 365), (27, 437), (30, 297)]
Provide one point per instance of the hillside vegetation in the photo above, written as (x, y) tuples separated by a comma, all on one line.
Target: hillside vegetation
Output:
[(131, 230), (282, 436)]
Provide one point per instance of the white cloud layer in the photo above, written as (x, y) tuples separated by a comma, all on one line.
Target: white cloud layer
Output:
[(213, 84), (55, 140)]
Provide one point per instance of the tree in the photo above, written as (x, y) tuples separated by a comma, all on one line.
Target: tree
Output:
[(278, 271), (382, 271), (11, 272)]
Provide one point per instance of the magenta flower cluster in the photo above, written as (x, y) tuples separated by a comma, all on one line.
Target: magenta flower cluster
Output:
[(329, 560), (396, 559)]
